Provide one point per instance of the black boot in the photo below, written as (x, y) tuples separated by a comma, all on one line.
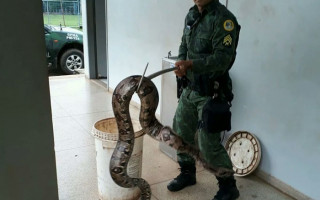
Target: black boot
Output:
[(227, 189), (186, 177)]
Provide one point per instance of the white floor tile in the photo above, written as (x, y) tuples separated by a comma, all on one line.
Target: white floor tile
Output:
[(77, 103)]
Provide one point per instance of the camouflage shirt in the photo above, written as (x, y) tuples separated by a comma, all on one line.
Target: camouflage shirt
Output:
[(209, 40)]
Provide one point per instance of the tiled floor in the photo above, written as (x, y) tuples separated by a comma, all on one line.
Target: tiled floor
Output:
[(77, 103)]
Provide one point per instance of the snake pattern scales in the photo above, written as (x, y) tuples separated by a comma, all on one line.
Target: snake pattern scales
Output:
[(149, 98)]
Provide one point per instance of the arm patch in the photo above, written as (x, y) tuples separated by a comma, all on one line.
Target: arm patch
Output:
[(228, 25), (227, 40)]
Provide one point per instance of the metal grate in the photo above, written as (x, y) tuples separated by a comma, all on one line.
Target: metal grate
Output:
[(62, 12)]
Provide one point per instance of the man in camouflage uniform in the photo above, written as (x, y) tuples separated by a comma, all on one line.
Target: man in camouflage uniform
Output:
[(206, 54)]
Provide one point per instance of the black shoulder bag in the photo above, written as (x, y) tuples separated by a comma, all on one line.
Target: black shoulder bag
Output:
[(216, 116)]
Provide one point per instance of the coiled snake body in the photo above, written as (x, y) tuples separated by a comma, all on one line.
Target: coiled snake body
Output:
[(149, 98)]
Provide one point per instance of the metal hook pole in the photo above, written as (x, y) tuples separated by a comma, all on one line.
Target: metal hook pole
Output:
[(154, 74), (161, 72), (145, 69)]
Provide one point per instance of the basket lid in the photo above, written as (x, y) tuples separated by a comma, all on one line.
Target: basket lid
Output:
[(244, 151), (106, 129)]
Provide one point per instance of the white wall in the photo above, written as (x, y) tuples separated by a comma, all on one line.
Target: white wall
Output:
[(27, 158), (276, 80), (143, 31)]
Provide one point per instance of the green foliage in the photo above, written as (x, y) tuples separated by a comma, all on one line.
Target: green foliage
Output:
[(70, 20)]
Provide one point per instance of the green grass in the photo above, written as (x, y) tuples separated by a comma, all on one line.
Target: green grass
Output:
[(70, 20)]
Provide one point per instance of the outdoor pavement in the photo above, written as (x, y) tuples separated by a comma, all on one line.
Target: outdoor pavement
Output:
[(77, 103)]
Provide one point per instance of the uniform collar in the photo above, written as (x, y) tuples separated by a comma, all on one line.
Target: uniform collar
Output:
[(210, 7)]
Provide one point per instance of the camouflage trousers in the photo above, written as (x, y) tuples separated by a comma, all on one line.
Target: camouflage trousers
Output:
[(185, 124)]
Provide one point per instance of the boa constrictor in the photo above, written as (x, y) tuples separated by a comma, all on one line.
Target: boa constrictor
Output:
[(149, 98)]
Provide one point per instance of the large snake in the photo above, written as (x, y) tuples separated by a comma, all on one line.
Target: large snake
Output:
[(149, 98)]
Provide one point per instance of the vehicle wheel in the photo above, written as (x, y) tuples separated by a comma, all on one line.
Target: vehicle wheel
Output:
[(71, 60)]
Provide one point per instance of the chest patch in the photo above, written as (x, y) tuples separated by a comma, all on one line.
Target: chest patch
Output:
[(227, 41), (228, 25)]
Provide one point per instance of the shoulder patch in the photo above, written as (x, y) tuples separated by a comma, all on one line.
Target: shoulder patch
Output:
[(227, 40), (228, 25)]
